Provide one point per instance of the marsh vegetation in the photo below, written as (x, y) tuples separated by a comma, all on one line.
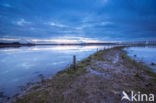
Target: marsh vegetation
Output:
[(120, 72)]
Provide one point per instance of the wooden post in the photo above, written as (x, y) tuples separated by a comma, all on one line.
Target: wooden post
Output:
[(97, 49), (74, 62)]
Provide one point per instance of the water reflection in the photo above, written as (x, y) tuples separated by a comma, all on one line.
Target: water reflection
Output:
[(21, 65), (144, 54), (44, 48)]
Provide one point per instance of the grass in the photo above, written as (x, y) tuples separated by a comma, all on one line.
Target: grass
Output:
[(53, 88), (129, 62), (60, 81), (141, 69)]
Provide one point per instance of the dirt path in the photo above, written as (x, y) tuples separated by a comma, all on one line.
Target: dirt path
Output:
[(101, 78)]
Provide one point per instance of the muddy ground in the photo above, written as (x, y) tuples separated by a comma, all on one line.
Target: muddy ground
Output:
[(100, 78)]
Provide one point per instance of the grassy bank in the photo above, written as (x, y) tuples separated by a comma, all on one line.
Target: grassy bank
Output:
[(99, 78)]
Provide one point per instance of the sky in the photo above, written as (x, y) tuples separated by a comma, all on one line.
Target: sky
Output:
[(72, 21)]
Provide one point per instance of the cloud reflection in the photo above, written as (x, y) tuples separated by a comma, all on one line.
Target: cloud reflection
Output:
[(53, 48)]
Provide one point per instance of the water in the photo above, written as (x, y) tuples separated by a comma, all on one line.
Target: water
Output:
[(144, 54), (19, 66)]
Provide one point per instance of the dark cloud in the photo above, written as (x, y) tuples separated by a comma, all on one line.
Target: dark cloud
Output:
[(100, 19)]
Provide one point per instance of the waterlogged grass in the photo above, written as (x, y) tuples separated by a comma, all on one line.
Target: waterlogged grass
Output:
[(41, 96), (60, 82), (50, 90), (141, 71), (130, 63)]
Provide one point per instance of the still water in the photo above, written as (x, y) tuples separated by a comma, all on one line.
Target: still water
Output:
[(144, 54), (19, 66)]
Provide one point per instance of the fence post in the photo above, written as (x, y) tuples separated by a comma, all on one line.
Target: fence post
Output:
[(74, 62), (97, 49)]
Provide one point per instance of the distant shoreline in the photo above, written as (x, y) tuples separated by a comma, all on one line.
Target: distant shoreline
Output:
[(17, 44), (31, 44)]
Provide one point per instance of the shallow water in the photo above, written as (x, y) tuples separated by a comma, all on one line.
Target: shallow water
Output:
[(144, 54), (19, 66)]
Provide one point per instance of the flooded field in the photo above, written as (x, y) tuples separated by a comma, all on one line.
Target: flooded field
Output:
[(144, 54), (18, 66), (100, 78)]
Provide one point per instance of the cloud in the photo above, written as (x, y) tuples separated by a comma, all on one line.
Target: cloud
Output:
[(6, 5), (105, 23), (57, 24), (67, 39), (22, 22), (89, 18), (83, 26), (31, 28), (104, 1), (93, 24), (8, 39)]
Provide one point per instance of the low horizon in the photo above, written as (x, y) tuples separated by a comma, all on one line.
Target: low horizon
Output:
[(71, 21)]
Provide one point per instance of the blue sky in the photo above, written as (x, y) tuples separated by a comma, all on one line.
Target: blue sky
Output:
[(77, 20)]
